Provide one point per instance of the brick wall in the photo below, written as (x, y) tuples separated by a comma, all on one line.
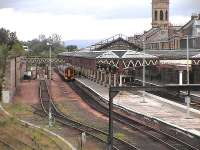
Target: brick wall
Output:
[(13, 76)]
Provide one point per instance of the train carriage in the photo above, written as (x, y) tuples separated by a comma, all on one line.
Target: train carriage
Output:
[(67, 72)]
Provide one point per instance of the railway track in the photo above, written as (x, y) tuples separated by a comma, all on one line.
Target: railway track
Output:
[(66, 120), (168, 140)]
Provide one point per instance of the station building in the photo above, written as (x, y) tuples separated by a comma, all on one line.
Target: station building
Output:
[(110, 62), (115, 61), (162, 50), (164, 35)]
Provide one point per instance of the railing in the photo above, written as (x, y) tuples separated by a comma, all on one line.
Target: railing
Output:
[(106, 41)]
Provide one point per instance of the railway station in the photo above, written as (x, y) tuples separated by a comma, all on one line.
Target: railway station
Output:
[(137, 92)]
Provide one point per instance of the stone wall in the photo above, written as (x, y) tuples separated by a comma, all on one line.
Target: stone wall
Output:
[(13, 75)]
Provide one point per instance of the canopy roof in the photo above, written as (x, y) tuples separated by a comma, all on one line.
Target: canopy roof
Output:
[(125, 54), (173, 54), (196, 56), (109, 54)]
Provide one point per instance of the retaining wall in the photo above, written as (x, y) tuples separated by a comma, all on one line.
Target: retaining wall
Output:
[(13, 75)]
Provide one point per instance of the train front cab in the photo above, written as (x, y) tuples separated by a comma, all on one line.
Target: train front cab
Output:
[(69, 74)]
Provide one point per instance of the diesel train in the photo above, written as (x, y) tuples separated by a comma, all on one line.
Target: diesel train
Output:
[(67, 72)]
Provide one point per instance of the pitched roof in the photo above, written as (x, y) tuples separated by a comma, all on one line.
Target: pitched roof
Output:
[(139, 55), (173, 54), (126, 54), (118, 41), (196, 56), (83, 54), (109, 54)]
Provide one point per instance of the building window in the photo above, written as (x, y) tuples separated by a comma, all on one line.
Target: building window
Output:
[(161, 15), (166, 15), (156, 15)]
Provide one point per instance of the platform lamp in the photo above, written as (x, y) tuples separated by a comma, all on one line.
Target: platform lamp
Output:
[(188, 57), (144, 70), (50, 66), (188, 98)]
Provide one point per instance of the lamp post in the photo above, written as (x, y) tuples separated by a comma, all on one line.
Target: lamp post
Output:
[(50, 98), (188, 98), (110, 136), (144, 70), (188, 70)]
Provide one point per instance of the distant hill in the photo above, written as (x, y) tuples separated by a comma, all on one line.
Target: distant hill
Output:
[(80, 43)]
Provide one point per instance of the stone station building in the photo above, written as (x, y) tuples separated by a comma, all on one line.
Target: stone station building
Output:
[(110, 66), (119, 66)]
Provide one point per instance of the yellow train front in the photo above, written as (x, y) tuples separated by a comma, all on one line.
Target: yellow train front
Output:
[(67, 72)]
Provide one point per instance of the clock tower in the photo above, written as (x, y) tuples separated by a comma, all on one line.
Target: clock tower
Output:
[(160, 13)]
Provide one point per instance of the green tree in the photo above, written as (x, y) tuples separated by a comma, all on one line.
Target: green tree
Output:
[(39, 46), (9, 47), (71, 48), (4, 36)]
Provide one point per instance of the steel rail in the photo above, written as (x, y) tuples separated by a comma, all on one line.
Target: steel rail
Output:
[(60, 117), (129, 122), (67, 121)]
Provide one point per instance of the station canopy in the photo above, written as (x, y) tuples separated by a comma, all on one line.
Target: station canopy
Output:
[(180, 54), (125, 54), (128, 59), (109, 54), (196, 56), (196, 59), (117, 51)]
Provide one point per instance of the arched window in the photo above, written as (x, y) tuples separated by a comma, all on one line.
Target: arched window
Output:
[(166, 15), (156, 15), (161, 15)]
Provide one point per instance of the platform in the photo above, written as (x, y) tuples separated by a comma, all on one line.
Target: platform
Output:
[(196, 94), (157, 83), (160, 109)]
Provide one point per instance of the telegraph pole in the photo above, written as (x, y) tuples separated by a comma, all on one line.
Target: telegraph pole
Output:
[(188, 98), (144, 70), (110, 136), (188, 57), (50, 98)]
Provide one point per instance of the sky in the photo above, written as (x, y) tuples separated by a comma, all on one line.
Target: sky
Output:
[(86, 19)]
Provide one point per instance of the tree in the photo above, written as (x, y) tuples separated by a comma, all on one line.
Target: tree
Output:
[(9, 47), (42, 37), (39, 46), (55, 38), (17, 49), (71, 48)]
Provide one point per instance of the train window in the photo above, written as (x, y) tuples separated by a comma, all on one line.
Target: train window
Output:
[(66, 73), (69, 72), (72, 71)]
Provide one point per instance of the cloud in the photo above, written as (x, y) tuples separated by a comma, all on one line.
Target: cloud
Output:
[(30, 25), (185, 8), (97, 8), (102, 9), (86, 19)]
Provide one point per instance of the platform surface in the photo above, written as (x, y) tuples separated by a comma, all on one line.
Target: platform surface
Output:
[(156, 107), (194, 93)]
